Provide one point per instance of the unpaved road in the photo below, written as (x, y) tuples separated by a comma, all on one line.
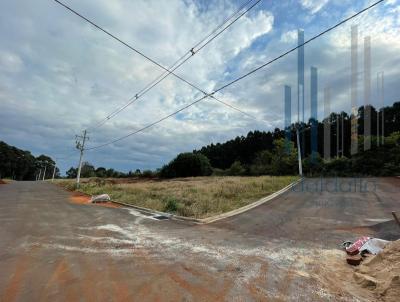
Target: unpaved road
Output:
[(285, 250)]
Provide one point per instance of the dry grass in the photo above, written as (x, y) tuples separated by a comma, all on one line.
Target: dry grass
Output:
[(198, 197)]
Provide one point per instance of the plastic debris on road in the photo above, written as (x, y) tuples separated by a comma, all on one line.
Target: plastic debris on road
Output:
[(373, 246), (361, 247), (354, 249), (100, 198)]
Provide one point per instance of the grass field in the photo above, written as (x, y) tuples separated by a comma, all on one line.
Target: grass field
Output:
[(198, 197)]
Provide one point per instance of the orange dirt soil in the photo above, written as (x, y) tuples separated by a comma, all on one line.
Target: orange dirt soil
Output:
[(81, 198)]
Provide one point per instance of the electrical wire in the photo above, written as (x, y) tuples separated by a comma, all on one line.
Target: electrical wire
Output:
[(173, 67), (168, 71), (295, 48), (239, 78)]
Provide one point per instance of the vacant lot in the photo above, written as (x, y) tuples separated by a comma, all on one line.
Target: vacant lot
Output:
[(198, 197)]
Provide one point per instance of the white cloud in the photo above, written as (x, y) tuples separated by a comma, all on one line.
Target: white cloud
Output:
[(10, 62), (77, 75), (74, 76), (289, 36), (313, 6)]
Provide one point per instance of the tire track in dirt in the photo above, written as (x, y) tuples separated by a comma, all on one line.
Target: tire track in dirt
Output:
[(63, 282), (15, 283)]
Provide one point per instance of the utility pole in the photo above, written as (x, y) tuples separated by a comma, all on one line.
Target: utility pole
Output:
[(383, 108), (337, 136), (40, 173), (299, 152), (81, 147), (54, 172), (342, 134)]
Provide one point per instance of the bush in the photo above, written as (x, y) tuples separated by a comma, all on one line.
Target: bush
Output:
[(171, 205), (147, 174), (313, 164), (284, 158), (218, 172), (236, 169), (261, 164), (338, 166), (187, 164)]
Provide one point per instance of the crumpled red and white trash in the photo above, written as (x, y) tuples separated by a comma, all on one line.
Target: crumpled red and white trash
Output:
[(354, 248), (365, 245)]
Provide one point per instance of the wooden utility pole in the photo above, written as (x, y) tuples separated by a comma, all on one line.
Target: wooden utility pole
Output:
[(81, 147)]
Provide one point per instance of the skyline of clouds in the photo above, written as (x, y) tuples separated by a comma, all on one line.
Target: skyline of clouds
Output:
[(59, 75)]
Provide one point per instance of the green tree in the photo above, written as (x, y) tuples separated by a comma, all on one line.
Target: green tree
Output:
[(101, 172), (187, 164), (262, 163), (47, 164), (284, 158), (22, 165), (313, 164), (236, 169), (72, 173), (87, 170)]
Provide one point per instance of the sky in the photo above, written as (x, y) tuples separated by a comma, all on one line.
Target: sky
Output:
[(59, 75)]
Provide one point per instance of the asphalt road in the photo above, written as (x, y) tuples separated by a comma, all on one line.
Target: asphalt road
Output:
[(55, 250)]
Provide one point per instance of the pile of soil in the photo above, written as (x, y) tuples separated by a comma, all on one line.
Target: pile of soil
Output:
[(381, 273), (2, 182), (80, 198)]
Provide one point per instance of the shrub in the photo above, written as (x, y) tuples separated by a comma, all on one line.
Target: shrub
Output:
[(101, 172), (218, 172), (262, 163), (236, 169), (313, 164), (171, 205), (284, 158), (187, 164), (338, 166), (147, 174), (87, 170)]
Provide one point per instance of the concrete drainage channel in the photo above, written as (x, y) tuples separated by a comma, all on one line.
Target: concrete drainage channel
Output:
[(160, 217)]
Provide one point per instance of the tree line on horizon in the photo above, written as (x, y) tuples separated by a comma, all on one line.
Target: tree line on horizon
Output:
[(19, 164), (257, 153), (261, 152)]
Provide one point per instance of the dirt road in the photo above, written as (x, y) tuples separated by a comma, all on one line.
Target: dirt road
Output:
[(55, 250)]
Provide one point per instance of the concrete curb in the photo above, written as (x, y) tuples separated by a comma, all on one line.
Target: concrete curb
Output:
[(216, 217), (250, 206)]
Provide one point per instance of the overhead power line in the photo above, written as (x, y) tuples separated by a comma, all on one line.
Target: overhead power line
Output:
[(170, 115), (150, 125), (167, 71), (239, 78), (191, 52), (295, 48), (233, 107)]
